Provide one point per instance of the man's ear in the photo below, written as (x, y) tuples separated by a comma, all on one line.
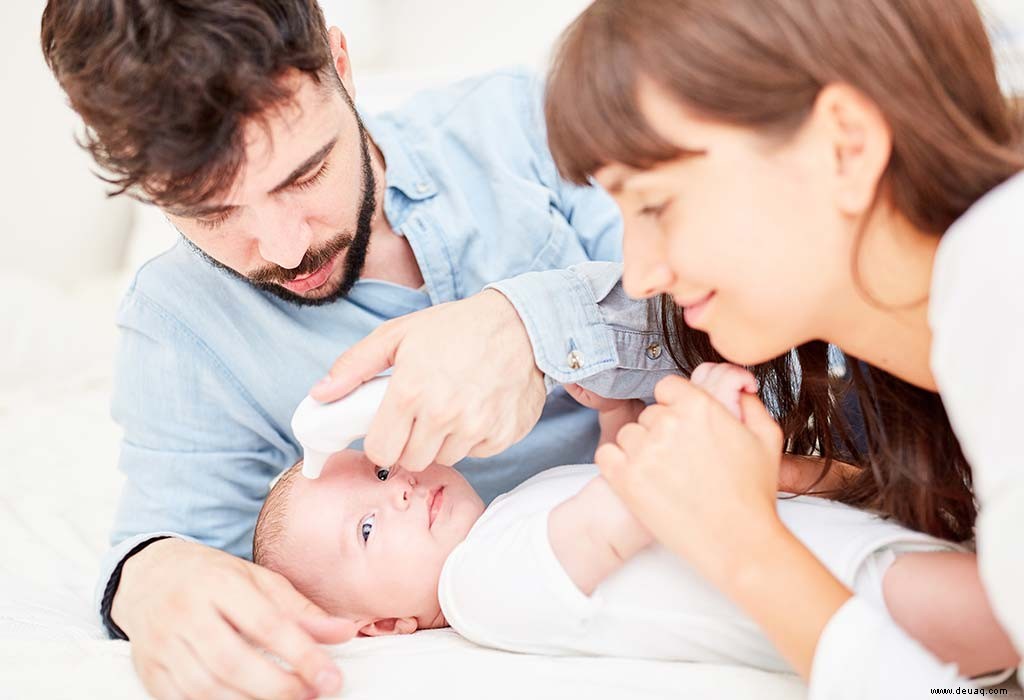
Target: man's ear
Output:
[(389, 625), (342, 61), (861, 141)]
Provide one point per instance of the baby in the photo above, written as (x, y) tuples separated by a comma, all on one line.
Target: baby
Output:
[(559, 566)]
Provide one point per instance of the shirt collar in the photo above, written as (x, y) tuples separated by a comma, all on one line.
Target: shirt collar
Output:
[(403, 169)]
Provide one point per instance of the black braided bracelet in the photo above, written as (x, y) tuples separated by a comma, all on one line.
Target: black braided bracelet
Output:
[(107, 603)]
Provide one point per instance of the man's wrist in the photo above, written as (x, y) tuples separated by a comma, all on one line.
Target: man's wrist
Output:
[(110, 610)]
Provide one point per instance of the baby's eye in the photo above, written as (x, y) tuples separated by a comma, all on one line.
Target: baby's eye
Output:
[(366, 527), (382, 473)]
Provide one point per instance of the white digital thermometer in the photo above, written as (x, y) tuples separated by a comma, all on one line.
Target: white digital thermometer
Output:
[(325, 428)]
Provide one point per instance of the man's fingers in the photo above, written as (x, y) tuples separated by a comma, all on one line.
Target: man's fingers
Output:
[(422, 447), (241, 667), (323, 627), (454, 449), (199, 682), (160, 684), (360, 363), (390, 428), (330, 630), (253, 615)]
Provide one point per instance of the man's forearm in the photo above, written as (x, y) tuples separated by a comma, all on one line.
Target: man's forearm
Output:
[(593, 534)]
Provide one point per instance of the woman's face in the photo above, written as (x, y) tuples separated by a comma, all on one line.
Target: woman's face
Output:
[(750, 235)]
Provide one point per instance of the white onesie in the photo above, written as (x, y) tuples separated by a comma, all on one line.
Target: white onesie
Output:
[(503, 587)]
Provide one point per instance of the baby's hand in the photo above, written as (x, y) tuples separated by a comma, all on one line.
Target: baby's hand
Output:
[(726, 383), (612, 414)]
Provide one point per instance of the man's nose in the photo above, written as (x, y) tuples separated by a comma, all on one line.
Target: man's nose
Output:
[(284, 238)]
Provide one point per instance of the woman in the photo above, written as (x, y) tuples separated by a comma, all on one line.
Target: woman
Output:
[(798, 171)]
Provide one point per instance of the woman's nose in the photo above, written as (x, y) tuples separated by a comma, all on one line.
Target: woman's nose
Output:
[(645, 270), (647, 281)]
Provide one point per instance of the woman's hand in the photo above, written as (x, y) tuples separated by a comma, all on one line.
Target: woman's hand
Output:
[(702, 481)]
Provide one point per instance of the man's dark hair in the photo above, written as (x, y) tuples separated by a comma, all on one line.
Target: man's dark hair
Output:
[(165, 87)]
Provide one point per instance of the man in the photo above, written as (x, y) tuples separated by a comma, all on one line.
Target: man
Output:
[(305, 227)]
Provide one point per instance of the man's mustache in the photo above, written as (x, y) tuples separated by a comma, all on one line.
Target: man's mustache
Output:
[(312, 261)]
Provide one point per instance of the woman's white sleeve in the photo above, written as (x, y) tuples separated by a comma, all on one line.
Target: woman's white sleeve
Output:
[(862, 653)]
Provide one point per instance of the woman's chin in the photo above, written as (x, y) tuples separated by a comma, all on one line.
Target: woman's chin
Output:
[(746, 349)]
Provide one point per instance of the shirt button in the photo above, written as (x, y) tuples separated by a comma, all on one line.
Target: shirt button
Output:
[(575, 359), (654, 351), (422, 187)]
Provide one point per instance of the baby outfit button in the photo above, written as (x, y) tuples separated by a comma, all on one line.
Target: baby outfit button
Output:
[(654, 351), (422, 187), (575, 359)]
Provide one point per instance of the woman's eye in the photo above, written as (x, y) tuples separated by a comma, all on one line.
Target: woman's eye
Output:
[(366, 527), (382, 473), (653, 210)]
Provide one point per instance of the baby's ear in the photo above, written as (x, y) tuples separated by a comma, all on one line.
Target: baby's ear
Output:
[(389, 625)]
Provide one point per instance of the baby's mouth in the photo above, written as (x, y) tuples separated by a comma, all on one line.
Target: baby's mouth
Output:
[(434, 505)]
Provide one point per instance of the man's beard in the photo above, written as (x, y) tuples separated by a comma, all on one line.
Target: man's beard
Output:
[(266, 278)]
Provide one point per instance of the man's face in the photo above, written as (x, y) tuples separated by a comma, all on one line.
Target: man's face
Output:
[(296, 221), (374, 548)]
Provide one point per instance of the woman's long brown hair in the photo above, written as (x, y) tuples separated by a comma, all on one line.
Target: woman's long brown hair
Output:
[(928, 66)]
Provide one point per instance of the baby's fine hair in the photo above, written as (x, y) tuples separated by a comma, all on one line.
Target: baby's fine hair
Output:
[(269, 531)]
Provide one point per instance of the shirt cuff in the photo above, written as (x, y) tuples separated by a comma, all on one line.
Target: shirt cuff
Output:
[(110, 567), (560, 312), (863, 654)]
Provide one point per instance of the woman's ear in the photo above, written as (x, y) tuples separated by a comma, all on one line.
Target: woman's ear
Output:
[(389, 625), (861, 140)]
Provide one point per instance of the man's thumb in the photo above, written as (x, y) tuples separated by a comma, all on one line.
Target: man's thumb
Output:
[(360, 363)]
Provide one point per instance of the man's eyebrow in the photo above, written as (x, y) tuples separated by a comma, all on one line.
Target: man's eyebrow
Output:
[(201, 211), (306, 166)]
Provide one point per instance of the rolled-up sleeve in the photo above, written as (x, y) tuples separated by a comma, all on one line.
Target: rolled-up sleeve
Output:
[(585, 329)]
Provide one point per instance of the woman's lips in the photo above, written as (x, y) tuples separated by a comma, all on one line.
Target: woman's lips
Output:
[(434, 506), (695, 310), (308, 283)]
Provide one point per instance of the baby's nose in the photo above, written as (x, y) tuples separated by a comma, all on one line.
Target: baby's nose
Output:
[(403, 489)]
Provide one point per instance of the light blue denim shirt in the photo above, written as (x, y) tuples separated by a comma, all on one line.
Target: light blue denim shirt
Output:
[(210, 369)]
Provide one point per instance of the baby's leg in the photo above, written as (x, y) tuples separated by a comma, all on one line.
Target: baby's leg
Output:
[(938, 599)]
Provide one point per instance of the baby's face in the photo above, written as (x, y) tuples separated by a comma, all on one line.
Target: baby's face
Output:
[(374, 549)]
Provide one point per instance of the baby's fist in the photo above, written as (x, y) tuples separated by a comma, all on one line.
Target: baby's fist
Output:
[(726, 383)]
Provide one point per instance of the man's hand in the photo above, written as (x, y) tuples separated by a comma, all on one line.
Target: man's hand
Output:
[(198, 619), (464, 383)]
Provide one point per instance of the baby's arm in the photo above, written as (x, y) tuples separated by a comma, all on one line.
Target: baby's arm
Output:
[(592, 534), (938, 598)]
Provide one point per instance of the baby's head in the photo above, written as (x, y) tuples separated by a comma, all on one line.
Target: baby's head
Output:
[(364, 547)]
